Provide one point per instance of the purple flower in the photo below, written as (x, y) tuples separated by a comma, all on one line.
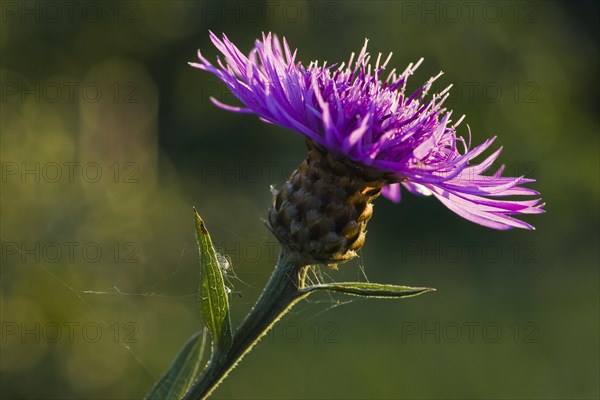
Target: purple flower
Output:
[(352, 110)]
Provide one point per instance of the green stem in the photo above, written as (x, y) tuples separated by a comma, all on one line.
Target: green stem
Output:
[(280, 294)]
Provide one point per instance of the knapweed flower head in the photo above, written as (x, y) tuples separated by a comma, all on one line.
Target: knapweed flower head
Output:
[(363, 127)]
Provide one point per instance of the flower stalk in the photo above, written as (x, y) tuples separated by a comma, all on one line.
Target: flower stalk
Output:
[(284, 289), (281, 293)]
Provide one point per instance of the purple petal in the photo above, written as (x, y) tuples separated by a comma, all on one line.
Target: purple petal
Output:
[(350, 111)]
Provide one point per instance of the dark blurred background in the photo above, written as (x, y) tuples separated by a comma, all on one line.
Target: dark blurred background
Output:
[(109, 139)]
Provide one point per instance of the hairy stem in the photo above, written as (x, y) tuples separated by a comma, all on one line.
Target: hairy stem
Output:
[(280, 294)]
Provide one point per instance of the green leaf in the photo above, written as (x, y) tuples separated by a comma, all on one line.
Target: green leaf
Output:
[(366, 289), (182, 372), (214, 303)]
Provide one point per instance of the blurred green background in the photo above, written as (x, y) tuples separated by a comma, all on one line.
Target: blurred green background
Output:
[(108, 139)]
